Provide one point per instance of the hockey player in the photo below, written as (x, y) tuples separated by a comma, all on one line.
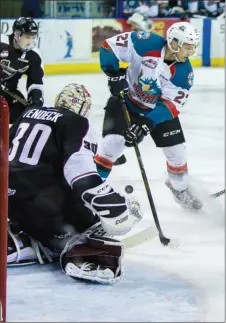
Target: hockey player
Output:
[(156, 86), (57, 200), (139, 22), (18, 56)]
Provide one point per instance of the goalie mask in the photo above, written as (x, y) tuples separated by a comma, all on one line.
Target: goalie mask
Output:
[(76, 98)]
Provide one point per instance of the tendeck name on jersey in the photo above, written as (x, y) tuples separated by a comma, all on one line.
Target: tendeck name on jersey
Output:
[(42, 115)]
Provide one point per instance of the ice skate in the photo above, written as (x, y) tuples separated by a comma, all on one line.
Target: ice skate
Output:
[(185, 198)]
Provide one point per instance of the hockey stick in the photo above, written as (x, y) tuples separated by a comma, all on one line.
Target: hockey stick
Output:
[(218, 193), (165, 241), (139, 238), (15, 96)]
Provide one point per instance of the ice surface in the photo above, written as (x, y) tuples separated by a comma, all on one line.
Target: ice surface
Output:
[(160, 284), (145, 294)]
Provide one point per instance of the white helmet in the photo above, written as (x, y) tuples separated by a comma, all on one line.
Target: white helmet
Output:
[(76, 98), (183, 32), (140, 22)]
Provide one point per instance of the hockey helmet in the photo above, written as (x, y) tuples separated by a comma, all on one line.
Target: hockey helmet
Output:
[(182, 32), (27, 26), (76, 98)]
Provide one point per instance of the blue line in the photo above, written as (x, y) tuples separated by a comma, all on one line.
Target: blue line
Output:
[(206, 42)]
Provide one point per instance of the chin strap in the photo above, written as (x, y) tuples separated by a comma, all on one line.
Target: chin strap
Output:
[(176, 58), (174, 52)]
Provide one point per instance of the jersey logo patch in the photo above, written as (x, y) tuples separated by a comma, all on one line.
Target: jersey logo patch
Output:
[(143, 34), (4, 53), (150, 63), (147, 89), (191, 78)]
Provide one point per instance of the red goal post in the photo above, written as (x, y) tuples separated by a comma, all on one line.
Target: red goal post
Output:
[(4, 147)]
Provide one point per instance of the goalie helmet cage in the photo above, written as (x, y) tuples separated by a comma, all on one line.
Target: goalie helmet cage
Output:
[(4, 146)]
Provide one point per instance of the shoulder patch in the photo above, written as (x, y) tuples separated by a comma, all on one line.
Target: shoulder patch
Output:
[(143, 34), (4, 54), (191, 78)]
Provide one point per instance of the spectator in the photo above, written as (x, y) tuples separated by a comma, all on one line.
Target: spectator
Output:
[(112, 8), (174, 8), (174, 3), (164, 8), (193, 7), (147, 8), (129, 7), (221, 8), (206, 8), (211, 7), (153, 9)]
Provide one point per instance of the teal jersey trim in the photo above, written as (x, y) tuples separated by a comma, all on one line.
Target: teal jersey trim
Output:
[(183, 75), (146, 43), (108, 61)]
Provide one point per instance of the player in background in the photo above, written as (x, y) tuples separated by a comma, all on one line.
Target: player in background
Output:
[(139, 22), (156, 86), (57, 200), (18, 57)]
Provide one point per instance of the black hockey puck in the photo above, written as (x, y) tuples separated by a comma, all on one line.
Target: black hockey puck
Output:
[(129, 189)]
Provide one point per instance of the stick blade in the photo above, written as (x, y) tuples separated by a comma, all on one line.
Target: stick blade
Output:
[(165, 241), (171, 243), (139, 238)]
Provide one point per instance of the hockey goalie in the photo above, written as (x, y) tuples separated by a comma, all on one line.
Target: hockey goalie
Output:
[(59, 207)]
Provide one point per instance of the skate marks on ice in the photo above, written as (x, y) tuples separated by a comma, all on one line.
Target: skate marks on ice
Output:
[(44, 293)]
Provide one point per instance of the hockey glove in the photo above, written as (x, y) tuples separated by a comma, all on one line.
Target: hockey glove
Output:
[(35, 98), (117, 82), (117, 214), (136, 134)]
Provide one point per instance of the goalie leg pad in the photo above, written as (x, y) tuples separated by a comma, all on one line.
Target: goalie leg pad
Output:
[(97, 259), (19, 248), (23, 248)]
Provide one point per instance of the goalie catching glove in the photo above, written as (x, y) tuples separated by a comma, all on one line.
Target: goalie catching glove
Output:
[(116, 212)]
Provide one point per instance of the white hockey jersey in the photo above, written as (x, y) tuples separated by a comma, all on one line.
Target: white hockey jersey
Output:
[(152, 82)]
